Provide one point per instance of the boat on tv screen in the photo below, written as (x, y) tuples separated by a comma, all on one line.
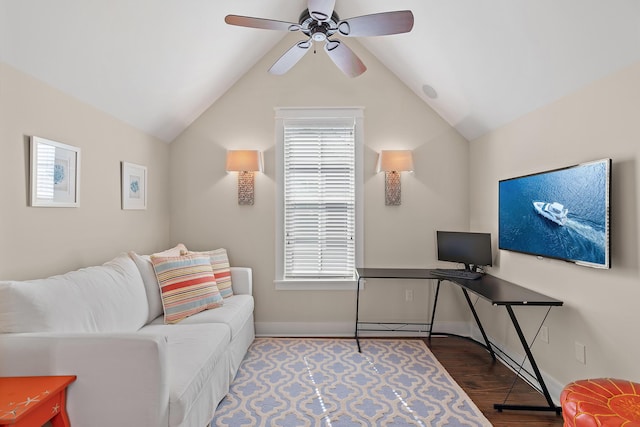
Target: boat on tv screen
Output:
[(561, 214)]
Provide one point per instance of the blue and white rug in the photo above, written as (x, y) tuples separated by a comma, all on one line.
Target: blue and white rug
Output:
[(325, 382)]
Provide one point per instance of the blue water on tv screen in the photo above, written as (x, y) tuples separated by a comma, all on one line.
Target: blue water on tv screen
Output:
[(570, 220)]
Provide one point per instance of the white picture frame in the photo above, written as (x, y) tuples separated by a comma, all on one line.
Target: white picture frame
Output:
[(55, 174), (134, 186)]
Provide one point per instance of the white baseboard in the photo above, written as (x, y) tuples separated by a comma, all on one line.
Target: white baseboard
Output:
[(347, 329), (307, 329)]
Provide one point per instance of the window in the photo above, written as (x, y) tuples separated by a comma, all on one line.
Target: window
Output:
[(319, 238)]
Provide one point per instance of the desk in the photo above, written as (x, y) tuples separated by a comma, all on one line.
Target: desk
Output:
[(493, 289), (32, 401)]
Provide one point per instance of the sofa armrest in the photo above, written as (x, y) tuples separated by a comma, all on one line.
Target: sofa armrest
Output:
[(242, 280), (127, 373)]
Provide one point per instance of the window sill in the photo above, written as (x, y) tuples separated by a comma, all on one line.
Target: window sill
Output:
[(316, 285)]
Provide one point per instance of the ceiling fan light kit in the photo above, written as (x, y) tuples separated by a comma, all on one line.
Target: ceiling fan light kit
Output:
[(319, 22)]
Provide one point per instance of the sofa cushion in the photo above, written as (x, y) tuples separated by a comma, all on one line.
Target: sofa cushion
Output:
[(107, 298), (187, 285), (234, 313), (221, 269), (194, 352)]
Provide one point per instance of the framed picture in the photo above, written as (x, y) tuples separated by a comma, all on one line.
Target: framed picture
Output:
[(134, 186), (55, 174)]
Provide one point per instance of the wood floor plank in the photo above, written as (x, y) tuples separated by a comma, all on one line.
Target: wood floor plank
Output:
[(487, 382)]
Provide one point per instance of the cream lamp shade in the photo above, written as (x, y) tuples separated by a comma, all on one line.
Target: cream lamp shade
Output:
[(392, 162), (246, 162), (395, 161)]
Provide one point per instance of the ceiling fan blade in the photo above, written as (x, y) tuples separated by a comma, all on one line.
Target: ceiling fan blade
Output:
[(321, 10), (344, 58), (378, 24), (265, 24), (290, 57)]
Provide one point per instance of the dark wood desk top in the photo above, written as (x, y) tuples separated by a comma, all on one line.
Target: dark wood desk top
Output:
[(495, 290)]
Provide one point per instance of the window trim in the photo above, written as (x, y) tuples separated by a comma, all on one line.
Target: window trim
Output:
[(282, 114)]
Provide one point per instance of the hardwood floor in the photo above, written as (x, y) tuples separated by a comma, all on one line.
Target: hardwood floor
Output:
[(487, 382)]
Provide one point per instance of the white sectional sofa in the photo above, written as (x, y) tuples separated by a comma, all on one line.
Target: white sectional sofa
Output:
[(133, 370)]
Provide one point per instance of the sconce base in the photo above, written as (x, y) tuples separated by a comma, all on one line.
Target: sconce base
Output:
[(245, 188), (392, 189)]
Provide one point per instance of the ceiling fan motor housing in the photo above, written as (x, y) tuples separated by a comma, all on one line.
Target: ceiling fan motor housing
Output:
[(318, 31)]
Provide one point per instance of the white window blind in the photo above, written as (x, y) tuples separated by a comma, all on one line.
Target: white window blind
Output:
[(319, 198)]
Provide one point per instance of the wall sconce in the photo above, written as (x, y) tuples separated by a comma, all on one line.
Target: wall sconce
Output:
[(245, 162), (392, 162)]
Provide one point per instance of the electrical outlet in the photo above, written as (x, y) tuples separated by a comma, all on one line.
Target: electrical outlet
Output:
[(408, 295), (544, 334), (581, 353)]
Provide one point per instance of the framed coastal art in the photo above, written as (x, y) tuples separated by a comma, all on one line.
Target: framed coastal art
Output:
[(134, 186), (55, 174)]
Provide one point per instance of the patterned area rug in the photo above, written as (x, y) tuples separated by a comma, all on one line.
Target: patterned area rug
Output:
[(326, 382)]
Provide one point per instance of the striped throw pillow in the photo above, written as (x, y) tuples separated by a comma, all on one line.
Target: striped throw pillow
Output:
[(221, 269), (187, 285)]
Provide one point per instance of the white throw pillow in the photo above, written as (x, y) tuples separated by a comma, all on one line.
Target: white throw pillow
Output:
[(151, 286), (107, 298)]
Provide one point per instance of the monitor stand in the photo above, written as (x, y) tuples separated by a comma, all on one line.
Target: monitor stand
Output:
[(470, 267)]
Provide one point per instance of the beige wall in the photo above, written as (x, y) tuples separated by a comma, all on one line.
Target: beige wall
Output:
[(205, 213), (601, 306), (37, 242)]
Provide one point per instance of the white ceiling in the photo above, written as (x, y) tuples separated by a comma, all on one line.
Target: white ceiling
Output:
[(158, 64)]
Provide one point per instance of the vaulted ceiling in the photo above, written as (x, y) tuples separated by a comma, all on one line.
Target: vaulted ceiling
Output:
[(158, 64)]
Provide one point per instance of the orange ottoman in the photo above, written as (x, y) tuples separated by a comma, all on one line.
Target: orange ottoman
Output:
[(601, 402)]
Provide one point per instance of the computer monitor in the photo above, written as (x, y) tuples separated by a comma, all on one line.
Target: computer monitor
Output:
[(471, 249)]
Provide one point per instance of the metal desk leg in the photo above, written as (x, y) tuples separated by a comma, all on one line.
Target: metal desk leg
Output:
[(475, 316), (534, 365), (433, 312), (357, 311)]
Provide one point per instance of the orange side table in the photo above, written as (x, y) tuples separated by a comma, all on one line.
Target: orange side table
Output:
[(32, 401)]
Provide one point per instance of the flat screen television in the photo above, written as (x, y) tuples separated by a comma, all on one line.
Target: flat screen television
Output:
[(561, 213), (471, 249)]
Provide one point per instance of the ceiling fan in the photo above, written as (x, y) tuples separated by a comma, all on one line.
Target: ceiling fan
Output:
[(319, 22)]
